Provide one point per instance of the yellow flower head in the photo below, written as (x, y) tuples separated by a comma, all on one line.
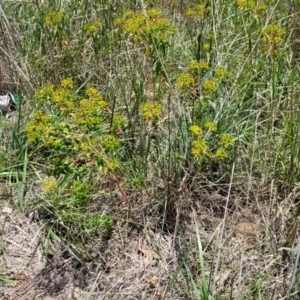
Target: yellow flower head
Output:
[(195, 130), (49, 185), (210, 86), (91, 92), (40, 117), (150, 110), (211, 126), (53, 18), (246, 4), (37, 126), (201, 65), (221, 153), (273, 33), (198, 11), (92, 27), (119, 121), (226, 140), (221, 73), (113, 165), (45, 93), (143, 23), (206, 47), (185, 80), (67, 84), (199, 148), (110, 143)]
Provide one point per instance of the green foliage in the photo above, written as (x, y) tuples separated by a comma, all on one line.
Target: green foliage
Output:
[(148, 26), (68, 132)]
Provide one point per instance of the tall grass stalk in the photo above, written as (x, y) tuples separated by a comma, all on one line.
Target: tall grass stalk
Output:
[(295, 280), (222, 231), (204, 284)]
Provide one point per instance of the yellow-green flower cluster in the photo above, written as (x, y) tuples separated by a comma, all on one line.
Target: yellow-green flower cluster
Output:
[(221, 154), (119, 121), (62, 97), (96, 101), (185, 81), (37, 126), (132, 26), (199, 148), (57, 136), (273, 33), (89, 110), (246, 4), (146, 22), (226, 140), (53, 18), (198, 12), (67, 84), (46, 93), (206, 46), (137, 181), (195, 130), (112, 165), (109, 165), (84, 112), (255, 6), (199, 65), (91, 92), (211, 37), (87, 114), (210, 86), (150, 110), (110, 143), (91, 105), (221, 73), (92, 27), (49, 185), (39, 116), (211, 126), (72, 134)]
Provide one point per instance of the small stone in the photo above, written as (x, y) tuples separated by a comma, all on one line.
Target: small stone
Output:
[(153, 263)]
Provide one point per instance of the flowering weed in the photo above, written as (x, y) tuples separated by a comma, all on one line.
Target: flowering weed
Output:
[(53, 18)]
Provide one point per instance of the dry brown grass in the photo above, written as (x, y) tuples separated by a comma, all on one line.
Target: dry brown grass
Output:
[(137, 260)]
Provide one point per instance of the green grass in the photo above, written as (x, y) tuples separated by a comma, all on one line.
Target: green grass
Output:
[(109, 93)]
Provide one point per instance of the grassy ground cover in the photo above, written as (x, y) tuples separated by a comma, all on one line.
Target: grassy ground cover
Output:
[(161, 131)]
